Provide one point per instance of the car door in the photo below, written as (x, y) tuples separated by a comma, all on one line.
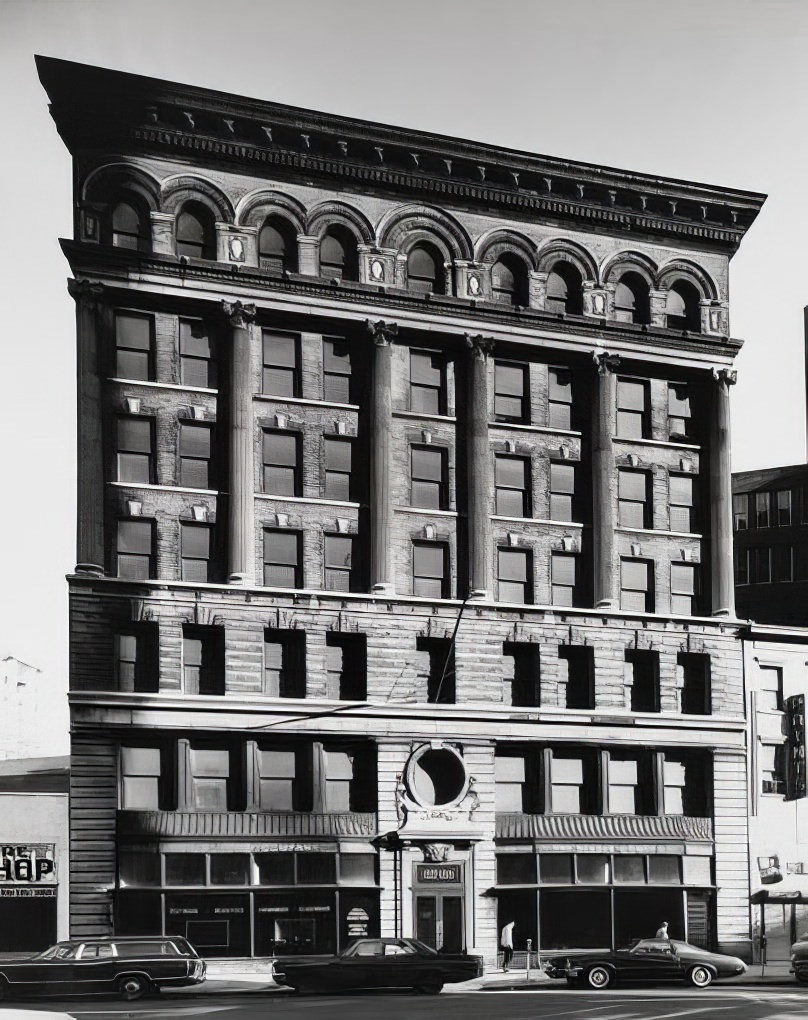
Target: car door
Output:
[(366, 967), (95, 967), (53, 976)]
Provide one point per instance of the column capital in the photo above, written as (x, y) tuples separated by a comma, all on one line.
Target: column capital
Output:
[(605, 362), (725, 376), (86, 291), (479, 345), (383, 333), (239, 314)]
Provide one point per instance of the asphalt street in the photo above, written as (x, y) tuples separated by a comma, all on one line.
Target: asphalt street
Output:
[(741, 1003)]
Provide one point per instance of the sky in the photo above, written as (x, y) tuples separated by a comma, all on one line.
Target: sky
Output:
[(714, 91)]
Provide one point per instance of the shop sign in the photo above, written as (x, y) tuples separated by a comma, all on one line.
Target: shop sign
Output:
[(438, 872), (18, 892), (29, 862)]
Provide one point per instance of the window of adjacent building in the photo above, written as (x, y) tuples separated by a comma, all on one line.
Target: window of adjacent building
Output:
[(564, 290), (430, 569), (510, 783), (281, 463), (781, 508), (679, 414), (340, 563), (427, 383), (135, 450), (509, 280), (195, 552), (686, 785), (196, 233), (338, 468), (682, 501), (338, 772), (511, 392), (623, 785), (141, 772), (285, 663), (514, 575), (128, 229), (134, 549), (278, 779), (197, 355), (682, 309), (740, 511), (633, 421), (564, 570), (770, 687), (632, 302), (337, 370), (338, 255), (559, 408), (634, 499), (196, 442), (773, 758), (281, 371), (643, 665), (134, 346), (203, 660), (760, 565), (346, 664), (277, 245), (441, 675), (282, 559), (741, 559), (357, 869), (136, 658), (185, 869), (782, 559), (580, 661), (696, 683), (512, 484), (428, 477), (526, 683), (637, 585), (567, 795), (516, 869), (684, 589), (210, 778), (562, 491), (762, 500), (229, 869), (425, 272)]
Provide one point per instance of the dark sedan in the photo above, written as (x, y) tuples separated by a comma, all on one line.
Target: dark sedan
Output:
[(131, 967), (648, 960), (377, 963)]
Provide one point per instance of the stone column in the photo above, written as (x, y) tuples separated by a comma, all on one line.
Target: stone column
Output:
[(723, 583), (308, 254), (90, 523), (241, 520), (381, 423), (479, 469), (604, 503)]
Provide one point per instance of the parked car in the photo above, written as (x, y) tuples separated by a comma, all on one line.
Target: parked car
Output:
[(130, 966), (377, 963), (647, 960), (799, 959)]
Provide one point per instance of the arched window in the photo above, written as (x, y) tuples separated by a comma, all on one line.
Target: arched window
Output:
[(565, 293), (632, 301), (128, 229), (277, 246), (196, 234), (338, 256), (425, 270), (682, 308), (509, 280)]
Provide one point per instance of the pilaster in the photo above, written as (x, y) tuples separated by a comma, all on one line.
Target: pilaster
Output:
[(479, 468), (381, 494), (723, 587), (604, 500)]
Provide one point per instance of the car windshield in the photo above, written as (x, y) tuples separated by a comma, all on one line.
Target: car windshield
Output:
[(59, 952)]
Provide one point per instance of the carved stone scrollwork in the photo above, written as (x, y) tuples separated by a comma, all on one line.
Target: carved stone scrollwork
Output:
[(479, 345), (726, 376), (85, 290), (606, 363), (240, 315), (383, 333), (436, 853)]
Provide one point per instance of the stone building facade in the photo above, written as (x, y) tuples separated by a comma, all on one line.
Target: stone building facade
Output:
[(403, 600)]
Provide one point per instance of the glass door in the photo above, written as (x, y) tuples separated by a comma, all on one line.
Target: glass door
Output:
[(439, 921)]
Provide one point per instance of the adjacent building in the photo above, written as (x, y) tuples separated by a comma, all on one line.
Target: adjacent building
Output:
[(33, 711), (403, 599)]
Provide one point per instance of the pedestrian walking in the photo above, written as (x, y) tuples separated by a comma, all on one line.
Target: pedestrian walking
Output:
[(662, 931), (506, 942)]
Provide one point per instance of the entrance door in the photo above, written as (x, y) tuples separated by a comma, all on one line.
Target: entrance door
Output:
[(439, 921)]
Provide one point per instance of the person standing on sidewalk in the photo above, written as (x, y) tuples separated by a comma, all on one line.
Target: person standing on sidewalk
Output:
[(506, 943), (662, 931)]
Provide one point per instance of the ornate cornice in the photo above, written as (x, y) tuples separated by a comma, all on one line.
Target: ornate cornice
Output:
[(85, 291), (481, 346), (239, 314), (383, 333), (605, 362), (600, 827)]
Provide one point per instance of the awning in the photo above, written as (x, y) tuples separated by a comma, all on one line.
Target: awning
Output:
[(792, 889)]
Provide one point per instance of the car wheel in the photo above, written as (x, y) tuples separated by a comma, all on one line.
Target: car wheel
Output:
[(700, 976), (132, 987), (802, 976), (3, 989), (598, 977), (429, 986)]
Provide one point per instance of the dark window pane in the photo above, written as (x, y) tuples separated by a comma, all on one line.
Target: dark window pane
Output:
[(185, 869), (316, 869), (229, 869), (516, 869), (276, 868), (555, 869)]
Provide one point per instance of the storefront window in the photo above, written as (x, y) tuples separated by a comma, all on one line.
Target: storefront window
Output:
[(556, 869), (316, 869), (516, 869), (138, 913), (575, 918), (629, 868), (138, 868), (276, 868), (664, 870), (229, 869), (215, 924), (593, 869), (357, 869), (359, 916), (295, 922), (185, 869)]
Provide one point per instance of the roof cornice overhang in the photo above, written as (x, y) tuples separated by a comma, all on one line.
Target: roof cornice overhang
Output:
[(103, 111)]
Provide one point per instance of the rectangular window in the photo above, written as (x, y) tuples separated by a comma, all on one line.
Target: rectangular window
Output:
[(629, 869), (684, 589), (696, 683), (562, 491), (511, 391), (564, 568), (636, 585), (643, 666), (559, 393), (679, 414), (673, 773), (285, 663), (229, 869), (760, 565), (632, 410), (430, 573), (428, 477), (526, 684), (441, 675), (556, 869), (740, 511), (687, 782), (340, 563), (781, 510), (134, 549), (347, 666), (203, 660), (566, 781), (338, 468), (195, 456), (278, 779), (592, 869), (197, 355), (623, 779), (281, 463), (210, 779), (580, 661), (134, 346), (281, 372), (512, 481), (782, 563), (741, 558), (664, 869), (195, 548), (338, 772), (762, 519), (282, 559), (185, 869), (682, 503), (510, 782), (770, 687), (514, 576), (135, 450), (141, 772), (773, 759), (427, 383), (337, 370), (634, 499), (516, 869), (137, 659)]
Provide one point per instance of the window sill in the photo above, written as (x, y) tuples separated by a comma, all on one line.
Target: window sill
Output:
[(317, 500), (152, 384), (664, 443), (426, 511), (167, 488), (424, 416), (659, 531), (271, 398), (544, 429), (544, 521)]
